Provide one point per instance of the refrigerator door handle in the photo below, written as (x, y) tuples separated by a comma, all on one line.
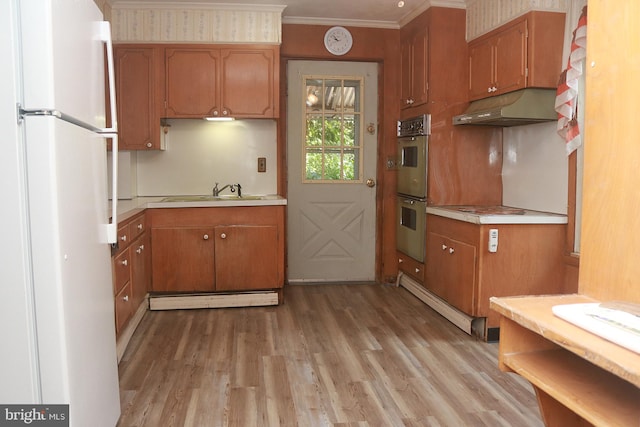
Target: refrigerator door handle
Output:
[(45, 112), (112, 227), (104, 34)]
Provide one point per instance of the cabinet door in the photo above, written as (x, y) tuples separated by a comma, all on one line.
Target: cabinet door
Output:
[(123, 307), (140, 269), (192, 82), (511, 58), (414, 69), (436, 278), (481, 69), (450, 269), (405, 74), (460, 268), (246, 257), (138, 95), (182, 259), (248, 83), (420, 67)]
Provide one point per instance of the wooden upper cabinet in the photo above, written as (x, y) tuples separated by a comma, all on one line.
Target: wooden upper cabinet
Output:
[(414, 67), (511, 58), (138, 79), (240, 82), (526, 52), (250, 81), (192, 82)]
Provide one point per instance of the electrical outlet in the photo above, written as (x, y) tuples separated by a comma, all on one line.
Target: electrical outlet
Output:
[(262, 164), (493, 240)]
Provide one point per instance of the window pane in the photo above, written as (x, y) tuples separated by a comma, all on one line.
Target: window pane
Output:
[(333, 130), (350, 135), (314, 94), (352, 94), (314, 130), (314, 165), (332, 165), (333, 95), (349, 166)]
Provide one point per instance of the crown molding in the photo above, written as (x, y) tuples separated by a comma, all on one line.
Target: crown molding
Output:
[(140, 5), (342, 22)]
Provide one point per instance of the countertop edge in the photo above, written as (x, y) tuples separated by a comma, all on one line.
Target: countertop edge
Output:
[(529, 217), (128, 208)]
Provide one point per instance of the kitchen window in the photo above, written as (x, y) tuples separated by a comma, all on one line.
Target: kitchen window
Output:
[(333, 129)]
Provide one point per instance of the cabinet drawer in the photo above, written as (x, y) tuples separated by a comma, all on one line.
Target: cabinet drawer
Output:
[(137, 227), (410, 266), (124, 307), (123, 235), (122, 269)]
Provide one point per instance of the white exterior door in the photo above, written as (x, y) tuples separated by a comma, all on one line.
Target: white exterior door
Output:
[(331, 151)]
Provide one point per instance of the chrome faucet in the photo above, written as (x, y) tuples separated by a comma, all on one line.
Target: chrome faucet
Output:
[(232, 188)]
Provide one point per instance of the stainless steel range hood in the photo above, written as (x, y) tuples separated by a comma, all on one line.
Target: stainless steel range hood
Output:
[(522, 107)]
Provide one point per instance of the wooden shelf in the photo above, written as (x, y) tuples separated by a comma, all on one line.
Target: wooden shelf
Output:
[(573, 371), (594, 394)]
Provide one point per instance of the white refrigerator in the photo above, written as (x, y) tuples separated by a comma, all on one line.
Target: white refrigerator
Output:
[(56, 298)]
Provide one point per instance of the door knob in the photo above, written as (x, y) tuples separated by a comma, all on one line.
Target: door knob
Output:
[(371, 182)]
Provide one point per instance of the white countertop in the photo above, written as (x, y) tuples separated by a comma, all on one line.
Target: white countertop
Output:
[(129, 207), (527, 217)]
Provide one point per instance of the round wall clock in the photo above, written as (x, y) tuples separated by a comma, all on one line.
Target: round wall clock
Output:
[(338, 40)]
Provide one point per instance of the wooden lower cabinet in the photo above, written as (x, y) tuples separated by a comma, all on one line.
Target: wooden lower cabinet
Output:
[(182, 259), (131, 269), (223, 249), (451, 270), (245, 257), (460, 269)]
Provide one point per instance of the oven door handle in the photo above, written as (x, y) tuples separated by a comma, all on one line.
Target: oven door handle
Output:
[(409, 202)]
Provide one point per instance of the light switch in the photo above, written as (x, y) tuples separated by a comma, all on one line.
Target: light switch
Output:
[(262, 164)]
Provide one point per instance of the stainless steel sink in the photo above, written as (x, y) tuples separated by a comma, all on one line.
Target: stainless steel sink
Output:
[(184, 199)]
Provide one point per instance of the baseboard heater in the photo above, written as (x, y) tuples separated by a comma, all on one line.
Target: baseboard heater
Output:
[(195, 301), (470, 325)]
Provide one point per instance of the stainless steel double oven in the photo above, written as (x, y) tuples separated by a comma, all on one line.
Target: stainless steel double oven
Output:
[(413, 149)]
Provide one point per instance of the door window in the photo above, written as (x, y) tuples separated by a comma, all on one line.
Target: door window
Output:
[(333, 129)]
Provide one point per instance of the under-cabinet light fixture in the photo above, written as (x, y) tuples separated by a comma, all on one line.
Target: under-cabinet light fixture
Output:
[(219, 119)]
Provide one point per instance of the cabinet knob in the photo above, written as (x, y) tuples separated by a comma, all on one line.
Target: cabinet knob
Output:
[(140, 249), (125, 262), (444, 247), (123, 237), (125, 298), (417, 270), (400, 260), (451, 250), (225, 113), (223, 236), (205, 237), (139, 226), (149, 145)]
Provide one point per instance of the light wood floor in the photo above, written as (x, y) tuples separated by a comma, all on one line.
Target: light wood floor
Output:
[(331, 355)]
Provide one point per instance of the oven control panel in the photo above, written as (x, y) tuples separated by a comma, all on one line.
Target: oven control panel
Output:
[(416, 126)]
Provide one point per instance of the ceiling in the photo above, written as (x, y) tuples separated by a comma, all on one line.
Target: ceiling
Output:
[(370, 13)]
